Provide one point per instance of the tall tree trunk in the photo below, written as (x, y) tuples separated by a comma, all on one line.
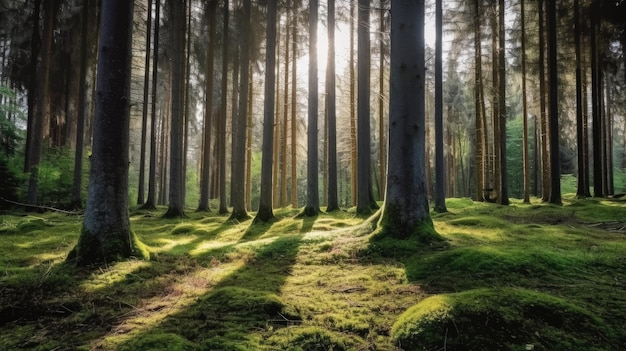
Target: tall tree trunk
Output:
[(238, 180), (265, 212), (495, 101), (106, 235), (440, 173), (312, 188), (481, 145), (353, 142), (503, 193), (205, 178), (294, 100), (595, 106), (331, 107), (82, 104), (382, 152), (42, 110), (283, 161), (221, 134), (248, 179), (235, 105), (144, 112), (177, 41), (525, 108), (545, 152), (363, 111), (555, 160), (32, 84), (150, 203), (406, 213), (582, 173)]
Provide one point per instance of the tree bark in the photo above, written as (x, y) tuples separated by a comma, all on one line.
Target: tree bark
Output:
[(406, 213), (555, 164), (503, 193), (524, 108), (265, 212), (312, 207), (440, 173), (221, 135), (106, 235), (144, 112), (363, 111), (331, 107)]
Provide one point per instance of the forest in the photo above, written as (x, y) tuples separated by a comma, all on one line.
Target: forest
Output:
[(306, 175)]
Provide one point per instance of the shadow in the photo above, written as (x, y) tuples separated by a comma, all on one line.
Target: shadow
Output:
[(257, 229), (307, 224), (245, 300)]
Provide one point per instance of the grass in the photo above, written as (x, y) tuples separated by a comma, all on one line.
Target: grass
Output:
[(521, 277)]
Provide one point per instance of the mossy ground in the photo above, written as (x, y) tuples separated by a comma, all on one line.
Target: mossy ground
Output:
[(320, 283)]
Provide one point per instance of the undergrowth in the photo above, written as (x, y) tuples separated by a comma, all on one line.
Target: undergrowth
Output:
[(533, 277)]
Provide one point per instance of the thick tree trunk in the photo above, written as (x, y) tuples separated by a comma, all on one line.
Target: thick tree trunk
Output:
[(596, 111), (406, 213), (580, 140), (106, 235)]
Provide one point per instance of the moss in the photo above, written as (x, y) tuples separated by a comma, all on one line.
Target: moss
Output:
[(309, 339), (91, 251), (498, 319), (156, 342)]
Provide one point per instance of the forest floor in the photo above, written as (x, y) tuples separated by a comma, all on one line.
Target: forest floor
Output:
[(521, 277)]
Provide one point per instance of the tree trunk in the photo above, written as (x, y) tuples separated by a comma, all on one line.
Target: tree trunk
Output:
[(555, 164), (265, 212), (283, 161), (80, 120), (32, 85), (150, 203), (106, 235), (481, 146), (353, 146), (440, 173), (331, 107), (525, 109), (363, 111), (503, 194), (312, 188), (238, 180), (406, 213), (382, 153), (205, 178), (545, 152), (294, 100), (175, 206), (595, 106), (221, 134), (144, 112)]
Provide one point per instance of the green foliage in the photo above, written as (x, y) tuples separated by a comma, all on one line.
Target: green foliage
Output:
[(10, 136)]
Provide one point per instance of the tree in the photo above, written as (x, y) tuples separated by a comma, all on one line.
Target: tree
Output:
[(144, 112), (331, 107), (553, 128), (440, 178), (221, 135), (312, 207), (363, 205), (106, 235), (265, 212), (80, 130), (177, 39), (211, 10), (503, 197), (150, 203), (526, 166), (582, 189), (406, 212), (238, 179)]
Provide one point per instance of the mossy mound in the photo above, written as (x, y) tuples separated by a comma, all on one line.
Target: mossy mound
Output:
[(498, 319)]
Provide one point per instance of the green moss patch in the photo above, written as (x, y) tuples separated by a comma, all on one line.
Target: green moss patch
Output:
[(498, 319)]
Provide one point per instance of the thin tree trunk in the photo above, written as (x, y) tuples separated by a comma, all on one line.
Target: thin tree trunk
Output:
[(205, 178), (265, 212), (32, 85), (363, 111), (221, 135), (331, 107), (440, 173), (503, 194), (144, 112), (82, 104), (150, 201), (555, 164), (353, 142), (294, 101), (525, 109), (595, 105), (382, 153), (545, 152), (480, 143), (312, 197), (249, 160), (283, 170)]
